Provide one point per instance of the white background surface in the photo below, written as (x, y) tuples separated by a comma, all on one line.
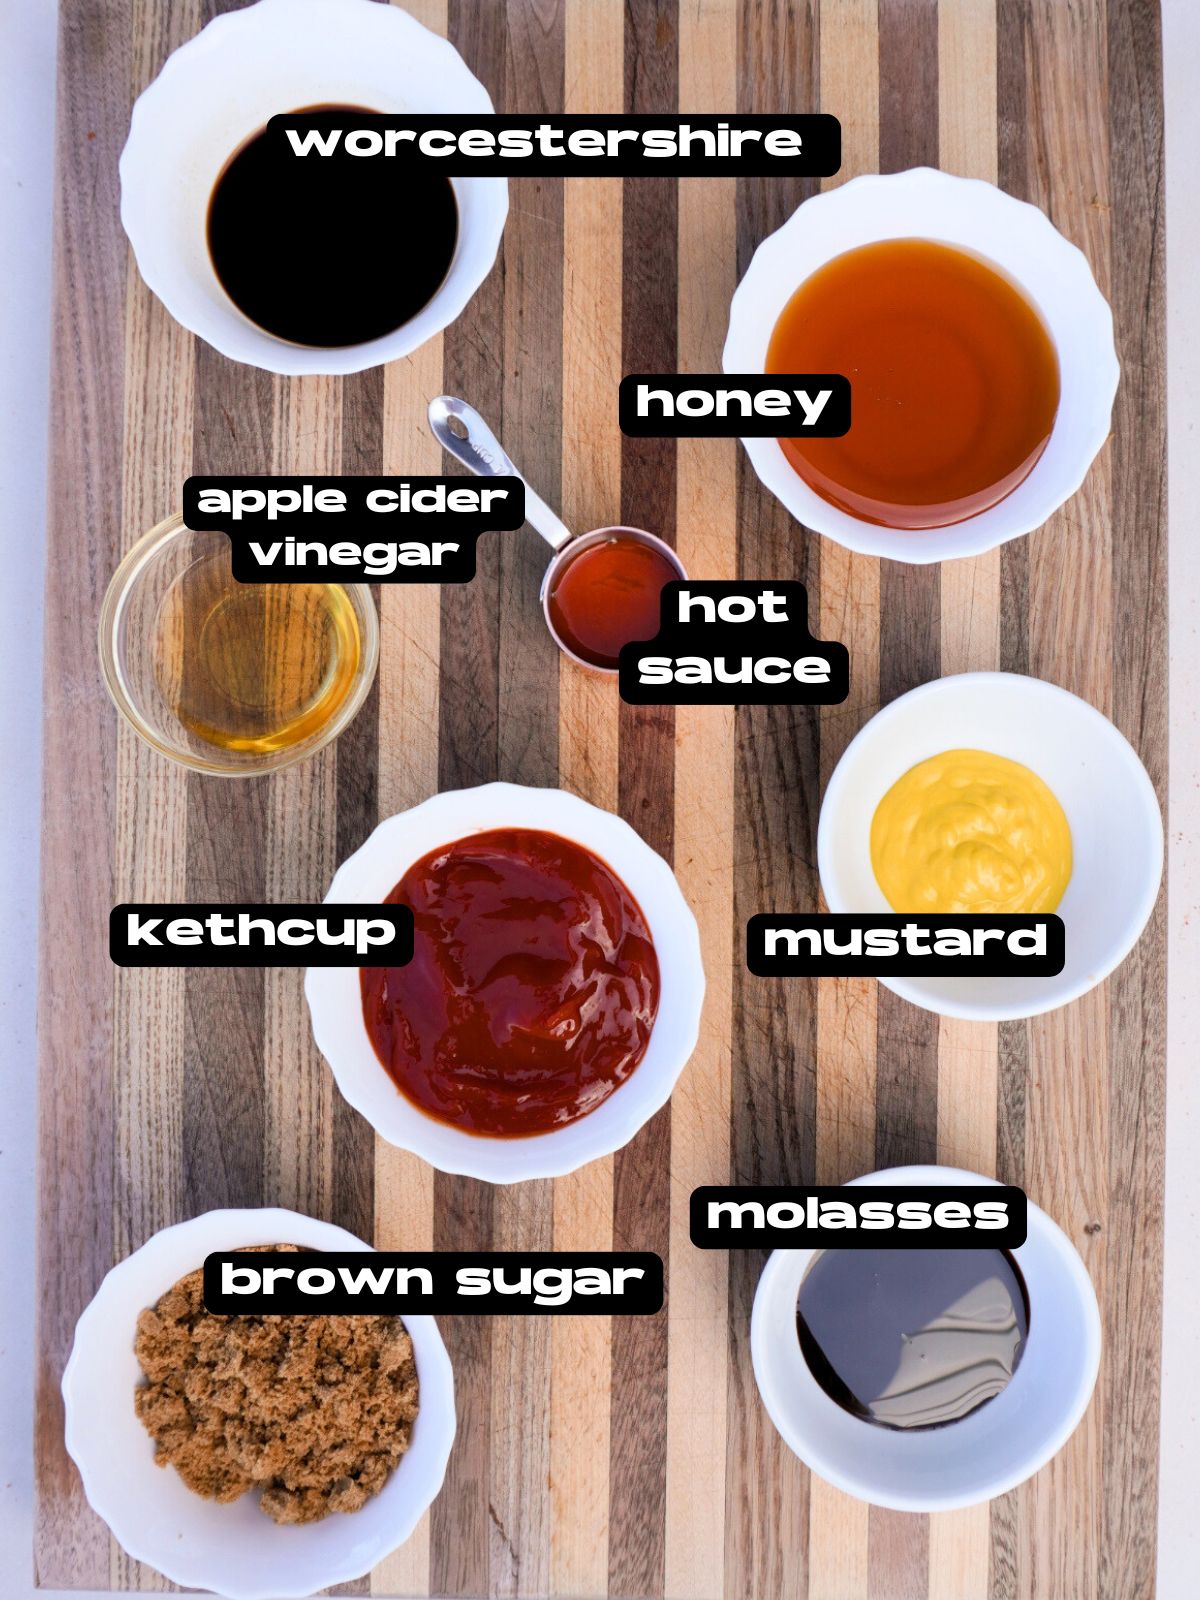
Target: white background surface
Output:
[(27, 51)]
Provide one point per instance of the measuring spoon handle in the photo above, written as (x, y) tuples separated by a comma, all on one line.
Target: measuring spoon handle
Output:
[(460, 429)]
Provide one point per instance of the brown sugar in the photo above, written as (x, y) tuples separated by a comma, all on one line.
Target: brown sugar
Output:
[(313, 1411)]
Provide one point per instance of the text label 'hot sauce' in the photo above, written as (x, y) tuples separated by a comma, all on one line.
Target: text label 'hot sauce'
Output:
[(533, 987)]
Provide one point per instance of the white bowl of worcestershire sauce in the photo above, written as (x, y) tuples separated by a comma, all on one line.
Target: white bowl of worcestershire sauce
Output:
[(292, 264), (554, 994), (979, 352), (904, 1380)]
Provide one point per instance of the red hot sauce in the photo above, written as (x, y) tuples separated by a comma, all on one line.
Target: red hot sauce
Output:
[(607, 595), (532, 990)]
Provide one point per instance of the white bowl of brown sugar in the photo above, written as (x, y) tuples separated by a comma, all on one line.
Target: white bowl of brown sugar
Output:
[(195, 1435)]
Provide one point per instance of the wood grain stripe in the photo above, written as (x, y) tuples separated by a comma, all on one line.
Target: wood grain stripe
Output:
[(300, 861), (148, 1041), (519, 1498), (406, 774), (777, 781), (356, 811), (151, 851), (970, 618), (909, 597), (1012, 138), (469, 753), (704, 806), (848, 600), (1137, 991), (646, 785), (906, 1096), (79, 753), (581, 1348), (225, 1102), (1066, 1162)]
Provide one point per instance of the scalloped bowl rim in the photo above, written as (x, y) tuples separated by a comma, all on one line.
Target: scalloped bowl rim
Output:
[(1024, 705)]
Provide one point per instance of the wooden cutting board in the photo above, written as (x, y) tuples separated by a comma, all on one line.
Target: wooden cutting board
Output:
[(631, 1458)]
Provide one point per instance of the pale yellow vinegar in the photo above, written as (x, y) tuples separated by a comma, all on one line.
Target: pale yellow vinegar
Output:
[(967, 831)]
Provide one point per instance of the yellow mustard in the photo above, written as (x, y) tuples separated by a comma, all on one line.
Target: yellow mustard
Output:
[(968, 831)]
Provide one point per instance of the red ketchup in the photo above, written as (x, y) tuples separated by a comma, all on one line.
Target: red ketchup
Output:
[(532, 989), (607, 596)]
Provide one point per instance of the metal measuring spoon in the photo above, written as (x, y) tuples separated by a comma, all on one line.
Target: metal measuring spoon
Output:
[(462, 432)]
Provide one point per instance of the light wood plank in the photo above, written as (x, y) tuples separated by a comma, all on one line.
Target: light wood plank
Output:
[(706, 538), (581, 1350), (847, 607)]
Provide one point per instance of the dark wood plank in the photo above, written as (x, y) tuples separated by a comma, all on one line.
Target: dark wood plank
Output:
[(473, 361), (518, 1494), (777, 790), (353, 1177), (75, 1197), (1012, 69), (646, 799), (1138, 989), (223, 1113)]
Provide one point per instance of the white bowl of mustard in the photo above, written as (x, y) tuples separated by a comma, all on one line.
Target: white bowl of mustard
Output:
[(1090, 769)]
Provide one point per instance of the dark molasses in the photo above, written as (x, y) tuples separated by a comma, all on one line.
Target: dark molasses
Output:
[(913, 1338)]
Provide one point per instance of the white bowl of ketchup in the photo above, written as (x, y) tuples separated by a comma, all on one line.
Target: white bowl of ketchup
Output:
[(1008, 235), (335, 997)]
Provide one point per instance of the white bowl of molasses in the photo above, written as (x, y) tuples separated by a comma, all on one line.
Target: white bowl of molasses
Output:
[(927, 1379), (979, 352)]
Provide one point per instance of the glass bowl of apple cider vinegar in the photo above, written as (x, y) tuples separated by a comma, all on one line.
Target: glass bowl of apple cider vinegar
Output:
[(234, 679)]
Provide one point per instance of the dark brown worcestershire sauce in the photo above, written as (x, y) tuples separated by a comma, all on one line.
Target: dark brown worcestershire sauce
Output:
[(532, 990), (329, 250), (912, 1338)]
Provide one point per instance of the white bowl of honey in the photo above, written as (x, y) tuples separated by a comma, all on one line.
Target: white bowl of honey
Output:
[(554, 993), (979, 351)]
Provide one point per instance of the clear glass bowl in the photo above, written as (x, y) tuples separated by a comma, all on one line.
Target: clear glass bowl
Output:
[(229, 678)]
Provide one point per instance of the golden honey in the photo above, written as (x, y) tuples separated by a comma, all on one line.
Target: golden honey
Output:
[(954, 382)]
